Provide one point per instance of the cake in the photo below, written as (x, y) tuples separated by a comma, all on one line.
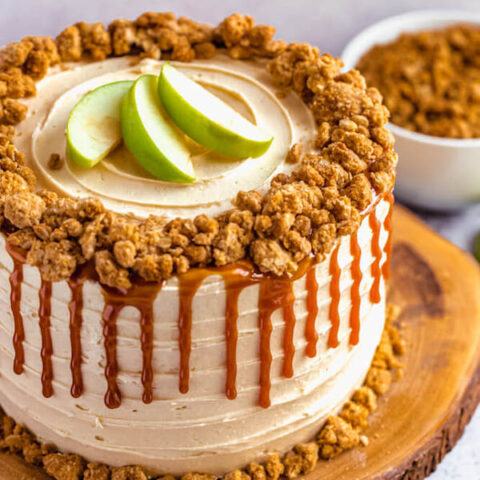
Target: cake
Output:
[(196, 327)]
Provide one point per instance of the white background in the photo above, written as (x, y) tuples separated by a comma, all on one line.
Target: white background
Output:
[(328, 24)]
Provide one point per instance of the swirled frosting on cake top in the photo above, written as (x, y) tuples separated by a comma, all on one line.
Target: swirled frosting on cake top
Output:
[(120, 181)]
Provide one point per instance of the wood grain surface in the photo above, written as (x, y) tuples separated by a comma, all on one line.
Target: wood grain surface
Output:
[(421, 418)]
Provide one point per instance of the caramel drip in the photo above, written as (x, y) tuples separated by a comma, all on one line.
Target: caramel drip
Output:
[(311, 334), (290, 320), (111, 310), (355, 289), (188, 284), (16, 279), (235, 281), (75, 307), (146, 338), (231, 338), (334, 314), (274, 294), (44, 312), (388, 244), (140, 296), (377, 255), (265, 326)]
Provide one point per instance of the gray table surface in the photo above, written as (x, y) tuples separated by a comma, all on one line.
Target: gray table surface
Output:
[(328, 24)]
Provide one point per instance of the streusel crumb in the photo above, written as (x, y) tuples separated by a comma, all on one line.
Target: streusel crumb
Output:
[(256, 471), (365, 396), (55, 162), (128, 473), (355, 414), (198, 476), (24, 209), (109, 272), (294, 155), (205, 50), (236, 475), (269, 256), (12, 111), (69, 44), (274, 468), (95, 40), (14, 84), (301, 460), (96, 471), (63, 466), (336, 436)]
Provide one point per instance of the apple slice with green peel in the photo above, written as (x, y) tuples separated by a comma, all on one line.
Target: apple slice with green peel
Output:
[(93, 127), (150, 135), (207, 120)]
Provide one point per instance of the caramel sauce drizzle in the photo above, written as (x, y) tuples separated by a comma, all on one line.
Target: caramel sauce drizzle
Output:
[(334, 314), (231, 339), (113, 397), (235, 282), (188, 284), (290, 320), (377, 255), (44, 312), (75, 307), (140, 296), (311, 334), (146, 339), (387, 225), (274, 293), (356, 273), (16, 280)]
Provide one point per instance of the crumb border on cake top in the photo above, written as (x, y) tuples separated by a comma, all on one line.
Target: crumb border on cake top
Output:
[(301, 214)]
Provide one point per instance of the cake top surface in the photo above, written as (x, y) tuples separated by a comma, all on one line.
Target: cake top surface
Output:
[(318, 191), (122, 184)]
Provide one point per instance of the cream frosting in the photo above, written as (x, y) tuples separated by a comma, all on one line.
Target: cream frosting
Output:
[(201, 430), (120, 181)]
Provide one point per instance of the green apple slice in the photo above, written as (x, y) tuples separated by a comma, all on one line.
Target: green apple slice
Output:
[(150, 135), (206, 119), (93, 127)]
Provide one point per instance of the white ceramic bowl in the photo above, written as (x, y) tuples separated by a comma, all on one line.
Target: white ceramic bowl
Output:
[(433, 172)]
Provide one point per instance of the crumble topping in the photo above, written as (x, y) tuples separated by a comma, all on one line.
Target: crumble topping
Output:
[(24, 209), (96, 471), (340, 432), (237, 475), (63, 466), (294, 155), (430, 80), (128, 473), (55, 162), (301, 460), (301, 214)]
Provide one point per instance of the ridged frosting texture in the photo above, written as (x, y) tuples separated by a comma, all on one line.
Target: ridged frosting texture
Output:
[(201, 430)]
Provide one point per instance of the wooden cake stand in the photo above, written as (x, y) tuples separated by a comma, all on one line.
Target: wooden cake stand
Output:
[(422, 416)]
